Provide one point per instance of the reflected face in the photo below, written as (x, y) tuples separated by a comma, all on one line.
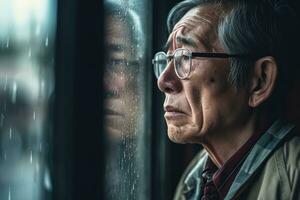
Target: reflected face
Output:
[(205, 104), (121, 102)]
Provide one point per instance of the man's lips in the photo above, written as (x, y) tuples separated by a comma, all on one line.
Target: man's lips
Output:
[(172, 109), (113, 112), (173, 112)]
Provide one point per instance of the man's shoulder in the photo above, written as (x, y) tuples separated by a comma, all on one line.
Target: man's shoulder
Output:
[(190, 178), (291, 151), (291, 154), (196, 163)]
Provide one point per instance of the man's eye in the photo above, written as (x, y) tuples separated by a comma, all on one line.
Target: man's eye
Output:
[(120, 62), (117, 62), (185, 57), (169, 58)]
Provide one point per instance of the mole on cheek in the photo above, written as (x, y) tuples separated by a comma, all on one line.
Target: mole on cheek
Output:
[(212, 79)]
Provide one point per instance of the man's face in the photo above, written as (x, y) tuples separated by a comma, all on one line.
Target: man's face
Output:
[(205, 105), (121, 102)]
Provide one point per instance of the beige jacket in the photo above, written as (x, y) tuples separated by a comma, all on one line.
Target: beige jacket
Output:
[(270, 171)]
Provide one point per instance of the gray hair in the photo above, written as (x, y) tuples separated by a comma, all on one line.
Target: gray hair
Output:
[(133, 23), (255, 28)]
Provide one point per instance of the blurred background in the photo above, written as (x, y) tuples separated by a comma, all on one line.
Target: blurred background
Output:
[(80, 113)]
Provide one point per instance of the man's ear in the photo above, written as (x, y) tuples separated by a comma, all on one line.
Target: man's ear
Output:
[(263, 80)]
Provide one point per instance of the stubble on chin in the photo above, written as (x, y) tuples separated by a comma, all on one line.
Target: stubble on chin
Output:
[(184, 134), (174, 134)]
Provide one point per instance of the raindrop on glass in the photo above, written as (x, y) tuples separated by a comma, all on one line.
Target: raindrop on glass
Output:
[(31, 157), (37, 167), (9, 196), (47, 181), (10, 133), (14, 93), (46, 42), (33, 116), (43, 87), (29, 53), (43, 84), (7, 43)]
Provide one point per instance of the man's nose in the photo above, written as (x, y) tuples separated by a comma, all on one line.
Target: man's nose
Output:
[(168, 81)]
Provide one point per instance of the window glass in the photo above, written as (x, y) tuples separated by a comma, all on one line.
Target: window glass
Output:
[(126, 111), (26, 87)]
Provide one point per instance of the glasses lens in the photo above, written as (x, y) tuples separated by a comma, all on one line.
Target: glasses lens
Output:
[(182, 62), (159, 63)]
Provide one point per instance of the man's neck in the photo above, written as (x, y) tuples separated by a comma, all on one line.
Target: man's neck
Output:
[(226, 144)]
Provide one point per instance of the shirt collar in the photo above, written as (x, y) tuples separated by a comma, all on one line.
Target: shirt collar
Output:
[(223, 177)]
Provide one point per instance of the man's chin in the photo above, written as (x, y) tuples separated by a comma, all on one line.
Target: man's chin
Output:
[(176, 135), (183, 134), (114, 134), (117, 128)]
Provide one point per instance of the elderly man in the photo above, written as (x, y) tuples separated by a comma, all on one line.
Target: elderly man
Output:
[(225, 75)]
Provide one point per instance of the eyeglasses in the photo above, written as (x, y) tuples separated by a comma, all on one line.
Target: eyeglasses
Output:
[(182, 61)]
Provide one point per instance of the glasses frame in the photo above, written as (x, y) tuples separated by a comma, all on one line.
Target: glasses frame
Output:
[(191, 55)]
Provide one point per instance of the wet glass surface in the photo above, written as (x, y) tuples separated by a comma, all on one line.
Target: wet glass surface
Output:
[(125, 105), (26, 88)]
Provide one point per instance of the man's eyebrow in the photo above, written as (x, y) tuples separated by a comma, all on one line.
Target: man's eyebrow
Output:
[(189, 41), (167, 45)]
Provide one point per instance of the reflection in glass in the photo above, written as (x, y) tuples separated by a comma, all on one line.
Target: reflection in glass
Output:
[(26, 85), (124, 69)]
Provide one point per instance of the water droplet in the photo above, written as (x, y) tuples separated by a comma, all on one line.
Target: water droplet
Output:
[(7, 43), (40, 147), (29, 53), (9, 196), (46, 42), (5, 155), (14, 93), (31, 157), (42, 83), (33, 116), (10, 133), (42, 88), (37, 167), (47, 181)]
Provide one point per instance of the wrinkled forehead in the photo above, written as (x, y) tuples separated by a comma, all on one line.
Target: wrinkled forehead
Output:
[(118, 38), (198, 27)]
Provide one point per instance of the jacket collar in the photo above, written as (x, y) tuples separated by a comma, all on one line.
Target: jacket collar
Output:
[(259, 153)]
